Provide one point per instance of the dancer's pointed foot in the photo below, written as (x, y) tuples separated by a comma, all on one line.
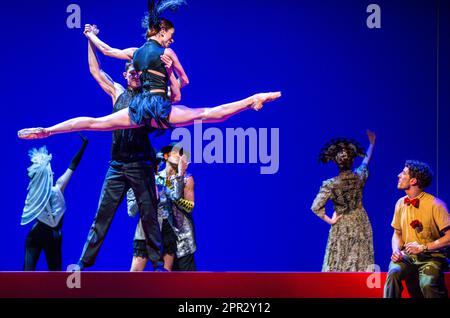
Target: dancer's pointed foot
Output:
[(33, 133), (258, 100)]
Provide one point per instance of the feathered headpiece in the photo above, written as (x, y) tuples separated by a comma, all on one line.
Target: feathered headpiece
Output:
[(334, 146), (156, 8), (40, 186)]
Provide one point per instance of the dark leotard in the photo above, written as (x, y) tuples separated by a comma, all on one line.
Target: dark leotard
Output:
[(147, 105)]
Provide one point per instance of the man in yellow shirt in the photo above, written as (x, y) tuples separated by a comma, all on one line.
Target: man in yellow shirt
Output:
[(421, 237)]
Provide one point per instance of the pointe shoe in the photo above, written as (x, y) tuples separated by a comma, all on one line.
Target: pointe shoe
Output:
[(260, 99), (33, 133)]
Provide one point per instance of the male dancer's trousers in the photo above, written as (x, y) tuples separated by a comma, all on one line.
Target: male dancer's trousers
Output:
[(120, 177), (423, 275)]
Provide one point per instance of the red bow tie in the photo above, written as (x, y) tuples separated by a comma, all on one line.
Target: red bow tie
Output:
[(413, 202)]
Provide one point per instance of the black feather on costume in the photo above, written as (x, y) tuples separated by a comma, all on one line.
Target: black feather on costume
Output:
[(156, 8)]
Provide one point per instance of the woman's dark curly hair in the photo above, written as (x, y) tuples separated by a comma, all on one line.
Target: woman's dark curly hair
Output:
[(334, 146), (421, 171)]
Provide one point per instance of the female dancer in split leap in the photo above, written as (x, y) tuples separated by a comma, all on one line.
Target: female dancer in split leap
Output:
[(152, 107)]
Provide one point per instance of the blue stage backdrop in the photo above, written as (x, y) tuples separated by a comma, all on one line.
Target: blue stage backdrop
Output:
[(337, 75)]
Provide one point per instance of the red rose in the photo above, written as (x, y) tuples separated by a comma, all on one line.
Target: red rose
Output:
[(416, 225)]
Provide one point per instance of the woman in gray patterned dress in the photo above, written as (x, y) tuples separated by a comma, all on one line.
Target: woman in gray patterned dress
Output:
[(350, 241)]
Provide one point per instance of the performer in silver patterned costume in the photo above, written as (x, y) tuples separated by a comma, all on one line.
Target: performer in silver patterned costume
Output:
[(176, 202)]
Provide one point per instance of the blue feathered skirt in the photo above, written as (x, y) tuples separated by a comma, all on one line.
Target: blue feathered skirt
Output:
[(146, 106)]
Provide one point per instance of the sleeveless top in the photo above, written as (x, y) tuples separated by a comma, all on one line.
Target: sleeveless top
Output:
[(148, 57), (130, 145)]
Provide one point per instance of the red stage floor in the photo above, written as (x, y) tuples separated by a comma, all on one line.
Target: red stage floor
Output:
[(192, 285)]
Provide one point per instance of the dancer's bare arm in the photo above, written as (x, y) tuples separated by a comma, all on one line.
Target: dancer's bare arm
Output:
[(187, 201), (186, 198), (184, 80), (125, 54), (369, 152), (189, 189), (175, 89), (64, 180), (397, 245), (112, 88)]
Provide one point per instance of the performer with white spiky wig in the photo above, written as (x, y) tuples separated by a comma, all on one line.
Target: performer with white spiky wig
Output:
[(45, 203)]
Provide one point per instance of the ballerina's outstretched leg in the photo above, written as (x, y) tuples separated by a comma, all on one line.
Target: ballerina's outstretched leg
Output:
[(184, 116), (118, 120), (179, 116)]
